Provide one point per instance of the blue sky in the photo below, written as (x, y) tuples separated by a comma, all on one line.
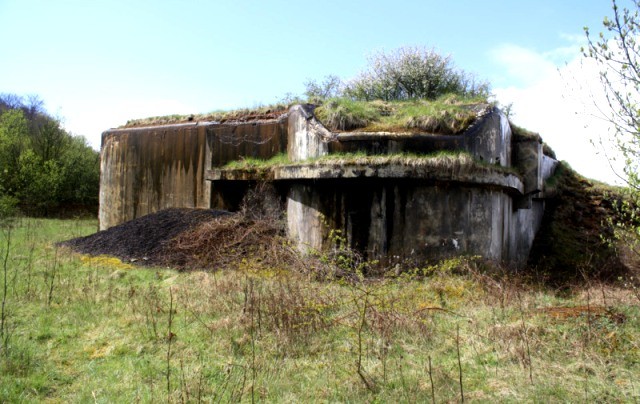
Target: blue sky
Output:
[(97, 64)]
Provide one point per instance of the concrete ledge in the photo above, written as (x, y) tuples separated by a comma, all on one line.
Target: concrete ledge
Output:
[(240, 174), (358, 136), (476, 174)]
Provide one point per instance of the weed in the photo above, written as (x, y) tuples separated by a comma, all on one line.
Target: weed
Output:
[(4, 334), (263, 330)]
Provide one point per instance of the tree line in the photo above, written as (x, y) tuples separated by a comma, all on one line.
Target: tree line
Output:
[(44, 170)]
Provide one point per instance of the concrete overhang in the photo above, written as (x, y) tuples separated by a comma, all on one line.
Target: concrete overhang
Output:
[(359, 136), (474, 175)]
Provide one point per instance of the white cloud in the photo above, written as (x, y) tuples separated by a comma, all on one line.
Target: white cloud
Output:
[(521, 65), (558, 102)]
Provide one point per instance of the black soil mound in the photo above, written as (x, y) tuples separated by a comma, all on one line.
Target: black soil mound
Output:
[(143, 240)]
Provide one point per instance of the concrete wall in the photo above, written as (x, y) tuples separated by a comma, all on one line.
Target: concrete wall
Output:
[(144, 170), (488, 140), (410, 219), (307, 138), (396, 213)]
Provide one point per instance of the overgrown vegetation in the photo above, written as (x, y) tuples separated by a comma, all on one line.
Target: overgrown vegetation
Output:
[(410, 73), (443, 160), (576, 237), (448, 114), (616, 52), (273, 111), (43, 169), (81, 328), (440, 98), (408, 89), (346, 114), (250, 162)]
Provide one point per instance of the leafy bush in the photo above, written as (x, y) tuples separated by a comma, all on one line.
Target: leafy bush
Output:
[(412, 73), (8, 208), (330, 87)]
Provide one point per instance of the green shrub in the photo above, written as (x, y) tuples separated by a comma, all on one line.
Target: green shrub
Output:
[(412, 73), (8, 208)]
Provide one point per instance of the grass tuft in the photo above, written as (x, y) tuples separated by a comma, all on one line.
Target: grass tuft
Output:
[(250, 162), (346, 114)]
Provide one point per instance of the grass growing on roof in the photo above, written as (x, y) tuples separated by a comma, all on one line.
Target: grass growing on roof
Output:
[(347, 114), (406, 159), (440, 159), (272, 111), (449, 114), (255, 163)]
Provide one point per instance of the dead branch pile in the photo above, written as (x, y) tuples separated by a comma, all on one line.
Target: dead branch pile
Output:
[(229, 241)]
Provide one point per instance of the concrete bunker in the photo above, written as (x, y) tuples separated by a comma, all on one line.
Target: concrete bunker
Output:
[(395, 198)]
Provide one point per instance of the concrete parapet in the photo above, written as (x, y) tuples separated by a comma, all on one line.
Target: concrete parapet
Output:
[(307, 137)]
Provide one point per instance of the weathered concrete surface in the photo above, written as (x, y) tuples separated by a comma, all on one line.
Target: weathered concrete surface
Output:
[(488, 140), (524, 225), (528, 158), (145, 170), (305, 221), (375, 143), (259, 140), (407, 219), (479, 176), (307, 137)]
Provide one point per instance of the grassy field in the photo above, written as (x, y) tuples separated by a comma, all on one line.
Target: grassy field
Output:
[(81, 329)]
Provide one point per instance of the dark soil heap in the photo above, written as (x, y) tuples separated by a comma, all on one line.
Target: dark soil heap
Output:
[(195, 239), (144, 239)]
